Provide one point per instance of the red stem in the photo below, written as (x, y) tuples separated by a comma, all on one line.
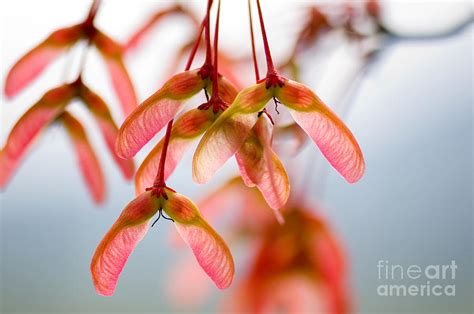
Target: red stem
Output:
[(270, 66), (92, 12), (160, 176), (83, 60), (252, 37), (195, 48), (215, 76), (208, 33), (88, 24)]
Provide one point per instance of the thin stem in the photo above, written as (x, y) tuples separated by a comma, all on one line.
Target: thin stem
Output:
[(195, 47), (83, 61), (160, 176), (270, 66), (166, 218), (208, 33), (159, 216), (93, 12), (88, 25), (252, 39), (215, 86)]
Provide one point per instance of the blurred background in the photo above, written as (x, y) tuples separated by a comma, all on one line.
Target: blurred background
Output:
[(410, 109)]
